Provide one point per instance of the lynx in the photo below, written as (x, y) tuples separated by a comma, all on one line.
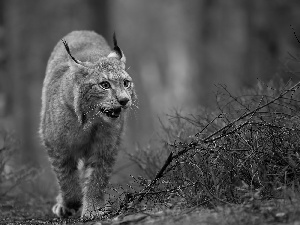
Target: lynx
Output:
[(85, 101)]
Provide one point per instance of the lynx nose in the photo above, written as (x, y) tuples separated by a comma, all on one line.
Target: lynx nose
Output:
[(123, 101)]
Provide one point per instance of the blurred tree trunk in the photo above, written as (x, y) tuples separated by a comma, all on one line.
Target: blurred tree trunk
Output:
[(248, 79), (4, 79), (222, 46), (33, 29)]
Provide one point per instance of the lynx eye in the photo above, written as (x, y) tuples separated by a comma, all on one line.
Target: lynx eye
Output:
[(126, 83), (105, 85)]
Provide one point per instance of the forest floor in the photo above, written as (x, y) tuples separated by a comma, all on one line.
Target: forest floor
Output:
[(31, 211)]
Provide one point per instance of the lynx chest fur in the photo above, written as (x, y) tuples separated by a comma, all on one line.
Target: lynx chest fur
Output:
[(85, 100)]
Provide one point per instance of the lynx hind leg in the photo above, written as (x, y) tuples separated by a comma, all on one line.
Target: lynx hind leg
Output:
[(69, 199)]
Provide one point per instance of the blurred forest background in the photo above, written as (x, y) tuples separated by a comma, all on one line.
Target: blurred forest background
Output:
[(176, 50)]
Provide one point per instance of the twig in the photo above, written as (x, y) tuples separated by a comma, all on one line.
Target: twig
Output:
[(251, 112), (228, 126), (147, 189), (295, 34)]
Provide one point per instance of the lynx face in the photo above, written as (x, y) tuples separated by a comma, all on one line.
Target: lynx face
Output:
[(106, 93), (104, 90)]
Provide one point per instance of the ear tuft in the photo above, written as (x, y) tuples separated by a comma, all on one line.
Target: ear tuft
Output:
[(68, 50), (116, 47), (117, 52)]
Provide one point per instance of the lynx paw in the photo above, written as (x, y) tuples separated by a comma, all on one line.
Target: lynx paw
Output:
[(62, 211)]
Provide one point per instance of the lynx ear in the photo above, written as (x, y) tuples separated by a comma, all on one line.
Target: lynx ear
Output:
[(74, 64), (117, 52), (68, 51)]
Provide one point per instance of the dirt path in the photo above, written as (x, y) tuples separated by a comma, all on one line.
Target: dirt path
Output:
[(14, 211)]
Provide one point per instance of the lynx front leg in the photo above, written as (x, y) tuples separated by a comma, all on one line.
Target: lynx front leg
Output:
[(96, 180), (70, 196)]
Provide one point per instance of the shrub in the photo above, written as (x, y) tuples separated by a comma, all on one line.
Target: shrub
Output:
[(248, 147)]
